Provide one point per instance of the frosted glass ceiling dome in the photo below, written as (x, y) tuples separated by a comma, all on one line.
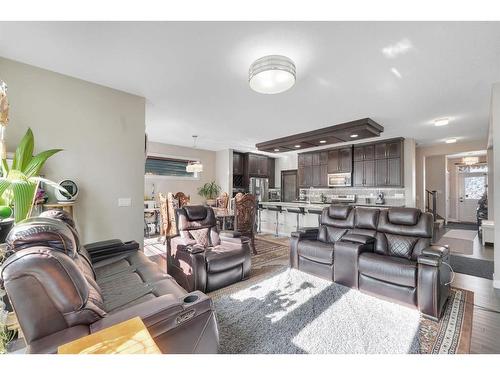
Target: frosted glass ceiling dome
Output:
[(272, 74)]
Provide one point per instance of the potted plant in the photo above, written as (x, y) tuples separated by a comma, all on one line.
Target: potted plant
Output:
[(209, 191), (19, 182)]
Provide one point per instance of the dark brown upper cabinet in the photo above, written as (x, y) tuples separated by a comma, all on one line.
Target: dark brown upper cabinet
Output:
[(364, 173), (257, 165), (340, 160), (238, 163), (364, 152), (313, 169), (386, 150)]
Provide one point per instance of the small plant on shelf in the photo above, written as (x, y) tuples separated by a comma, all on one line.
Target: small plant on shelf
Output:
[(210, 191)]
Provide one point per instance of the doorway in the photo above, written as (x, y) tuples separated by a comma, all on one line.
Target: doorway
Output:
[(471, 187)]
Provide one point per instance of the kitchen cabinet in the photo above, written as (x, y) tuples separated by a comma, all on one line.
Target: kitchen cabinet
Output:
[(305, 176), (364, 152), (388, 172), (237, 163), (364, 173), (340, 160), (384, 150), (270, 171), (257, 165)]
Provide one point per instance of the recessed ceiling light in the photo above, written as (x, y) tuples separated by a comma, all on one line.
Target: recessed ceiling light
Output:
[(451, 140), (396, 73), (322, 141), (442, 121), (272, 74), (297, 146), (354, 136), (276, 149)]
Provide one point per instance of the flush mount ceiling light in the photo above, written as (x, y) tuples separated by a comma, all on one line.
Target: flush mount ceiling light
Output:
[(354, 136), (272, 74), (322, 141), (451, 140), (470, 160), (276, 150), (194, 166), (442, 121), (297, 146)]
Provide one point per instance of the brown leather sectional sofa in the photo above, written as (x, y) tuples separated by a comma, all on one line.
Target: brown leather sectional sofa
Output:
[(200, 257), (61, 290), (386, 253)]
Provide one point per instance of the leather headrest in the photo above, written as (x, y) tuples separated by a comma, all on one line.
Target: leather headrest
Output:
[(339, 212), (42, 231), (404, 216), (366, 218), (60, 215), (195, 213)]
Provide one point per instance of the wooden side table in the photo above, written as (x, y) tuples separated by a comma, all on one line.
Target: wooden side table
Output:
[(128, 337)]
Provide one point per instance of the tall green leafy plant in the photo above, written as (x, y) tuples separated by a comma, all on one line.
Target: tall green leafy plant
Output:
[(19, 183)]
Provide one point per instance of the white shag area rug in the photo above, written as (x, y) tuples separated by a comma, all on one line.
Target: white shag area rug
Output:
[(293, 312)]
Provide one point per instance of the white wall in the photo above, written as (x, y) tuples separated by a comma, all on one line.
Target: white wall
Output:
[(282, 163), (176, 184), (224, 170), (491, 184), (102, 133), (435, 179), (495, 126), (409, 172)]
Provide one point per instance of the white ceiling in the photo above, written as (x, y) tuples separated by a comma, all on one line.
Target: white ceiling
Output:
[(194, 74)]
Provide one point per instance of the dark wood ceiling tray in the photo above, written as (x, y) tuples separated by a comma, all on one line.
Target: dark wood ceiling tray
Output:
[(363, 128)]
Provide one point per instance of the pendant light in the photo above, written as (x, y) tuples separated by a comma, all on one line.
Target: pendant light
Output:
[(194, 166)]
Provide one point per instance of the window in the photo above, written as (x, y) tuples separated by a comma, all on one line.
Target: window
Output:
[(474, 187), (158, 166)]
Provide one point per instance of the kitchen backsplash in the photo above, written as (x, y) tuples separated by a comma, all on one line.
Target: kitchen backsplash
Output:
[(392, 196)]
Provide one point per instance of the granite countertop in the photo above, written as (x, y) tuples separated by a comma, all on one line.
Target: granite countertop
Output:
[(322, 205)]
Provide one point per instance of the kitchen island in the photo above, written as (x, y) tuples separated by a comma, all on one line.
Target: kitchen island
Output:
[(309, 214)]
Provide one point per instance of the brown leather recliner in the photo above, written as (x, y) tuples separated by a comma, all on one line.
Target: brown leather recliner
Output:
[(201, 258), (59, 294), (387, 253)]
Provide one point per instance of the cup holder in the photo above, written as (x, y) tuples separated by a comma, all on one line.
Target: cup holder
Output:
[(191, 298)]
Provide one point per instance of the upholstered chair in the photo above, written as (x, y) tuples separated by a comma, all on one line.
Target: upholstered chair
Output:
[(245, 213), (202, 258)]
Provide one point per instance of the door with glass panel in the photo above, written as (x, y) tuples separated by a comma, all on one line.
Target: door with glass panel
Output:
[(472, 184)]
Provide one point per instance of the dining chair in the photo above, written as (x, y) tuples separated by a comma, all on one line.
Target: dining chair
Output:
[(182, 198), (223, 200), (244, 216)]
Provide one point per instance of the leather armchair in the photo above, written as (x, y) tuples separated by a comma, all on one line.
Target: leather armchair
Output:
[(201, 258), (60, 295)]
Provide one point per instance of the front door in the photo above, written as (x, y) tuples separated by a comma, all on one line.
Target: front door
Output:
[(471, 187)]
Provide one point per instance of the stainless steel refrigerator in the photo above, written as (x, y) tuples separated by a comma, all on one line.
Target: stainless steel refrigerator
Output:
[(260, 188)]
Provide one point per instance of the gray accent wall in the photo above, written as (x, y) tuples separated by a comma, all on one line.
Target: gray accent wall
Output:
[(102, 133)]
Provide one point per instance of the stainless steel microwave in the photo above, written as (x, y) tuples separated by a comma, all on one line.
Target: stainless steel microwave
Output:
[(339, 179)]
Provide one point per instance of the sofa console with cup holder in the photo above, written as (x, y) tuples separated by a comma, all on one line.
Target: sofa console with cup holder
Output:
[(382, 252)]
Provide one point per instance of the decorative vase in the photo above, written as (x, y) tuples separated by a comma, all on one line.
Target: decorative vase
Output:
[(211, 202)]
